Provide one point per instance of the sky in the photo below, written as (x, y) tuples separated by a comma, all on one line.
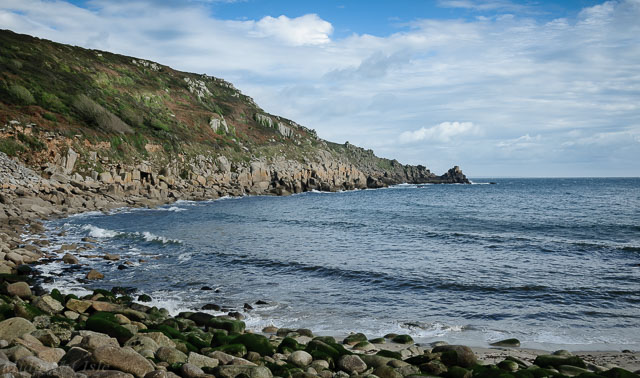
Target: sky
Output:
[(499, 87)]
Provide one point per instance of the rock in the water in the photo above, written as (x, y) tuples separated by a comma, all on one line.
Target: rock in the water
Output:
[(300, 358), (15, 327), (124, 359), (515, 343), (69, 259), (94, 275), (456, 355), (20, 289), (352, 364)]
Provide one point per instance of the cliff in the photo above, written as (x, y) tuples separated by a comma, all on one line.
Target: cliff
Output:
[(143, 129)]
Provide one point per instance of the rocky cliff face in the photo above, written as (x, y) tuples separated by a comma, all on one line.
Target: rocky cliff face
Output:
[(100, 121)]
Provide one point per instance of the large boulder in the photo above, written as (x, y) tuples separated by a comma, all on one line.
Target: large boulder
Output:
[(300, 358), (170, 355), (123, 359), (13, 328), (140, 342), (352, 364), (34, 364), (202, 361), (456, 355), (48, 304), (20, 289)]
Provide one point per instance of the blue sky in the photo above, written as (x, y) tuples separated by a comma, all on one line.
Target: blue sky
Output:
[(499, 87)]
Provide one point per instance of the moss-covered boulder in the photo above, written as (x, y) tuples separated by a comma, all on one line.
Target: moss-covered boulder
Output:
[(458, 372), (354, 339), (289, 345), (394, 355), (255, 343), (402, 339), (106, 322), (238, 350), (619, 373), (231, 326), (326, 339), (551, 361)]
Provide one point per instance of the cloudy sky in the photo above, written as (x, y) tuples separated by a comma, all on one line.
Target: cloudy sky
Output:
[(499, 87)]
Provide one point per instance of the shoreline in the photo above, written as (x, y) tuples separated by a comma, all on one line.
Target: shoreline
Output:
[(25, 234)]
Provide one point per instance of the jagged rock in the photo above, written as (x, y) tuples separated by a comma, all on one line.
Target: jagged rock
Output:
[(49, 305), (13, 328), (124, 359), (77, 305)]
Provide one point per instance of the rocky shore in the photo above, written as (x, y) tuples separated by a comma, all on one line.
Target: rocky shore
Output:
[(112, 333)]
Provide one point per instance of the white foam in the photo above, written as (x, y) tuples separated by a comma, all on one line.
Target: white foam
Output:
[(97, 232), (176, 209), (148, 236), (184, 257)]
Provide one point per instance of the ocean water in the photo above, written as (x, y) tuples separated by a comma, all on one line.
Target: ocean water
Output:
[(553, 262)]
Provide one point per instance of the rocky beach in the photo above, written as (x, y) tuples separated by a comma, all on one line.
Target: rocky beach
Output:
[(113, 333)]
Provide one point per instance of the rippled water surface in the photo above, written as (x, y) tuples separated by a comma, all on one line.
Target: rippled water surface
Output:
[(549, 261)]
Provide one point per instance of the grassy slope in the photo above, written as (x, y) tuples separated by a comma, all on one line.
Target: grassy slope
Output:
[(132, 103)]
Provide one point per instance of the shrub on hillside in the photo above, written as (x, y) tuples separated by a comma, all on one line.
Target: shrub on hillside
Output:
[(21, 94), (95, 115), (10, 146)]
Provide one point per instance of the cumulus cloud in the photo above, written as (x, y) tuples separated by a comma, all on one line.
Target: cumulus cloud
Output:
[(304, 30), (546, 93), (444, 132)]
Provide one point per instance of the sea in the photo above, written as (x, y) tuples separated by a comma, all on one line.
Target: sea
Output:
[(553, 262)]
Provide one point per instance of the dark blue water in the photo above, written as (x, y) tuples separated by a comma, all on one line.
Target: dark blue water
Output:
[(549, 261)]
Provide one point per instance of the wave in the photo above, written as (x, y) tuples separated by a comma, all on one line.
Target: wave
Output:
[(97, 232), (102, 233)]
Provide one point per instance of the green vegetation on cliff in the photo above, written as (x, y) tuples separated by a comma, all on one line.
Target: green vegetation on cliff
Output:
[(129, 110)]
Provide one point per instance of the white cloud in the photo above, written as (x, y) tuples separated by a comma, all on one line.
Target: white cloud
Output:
[(567, 81), (304, 30), (444, 132)]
